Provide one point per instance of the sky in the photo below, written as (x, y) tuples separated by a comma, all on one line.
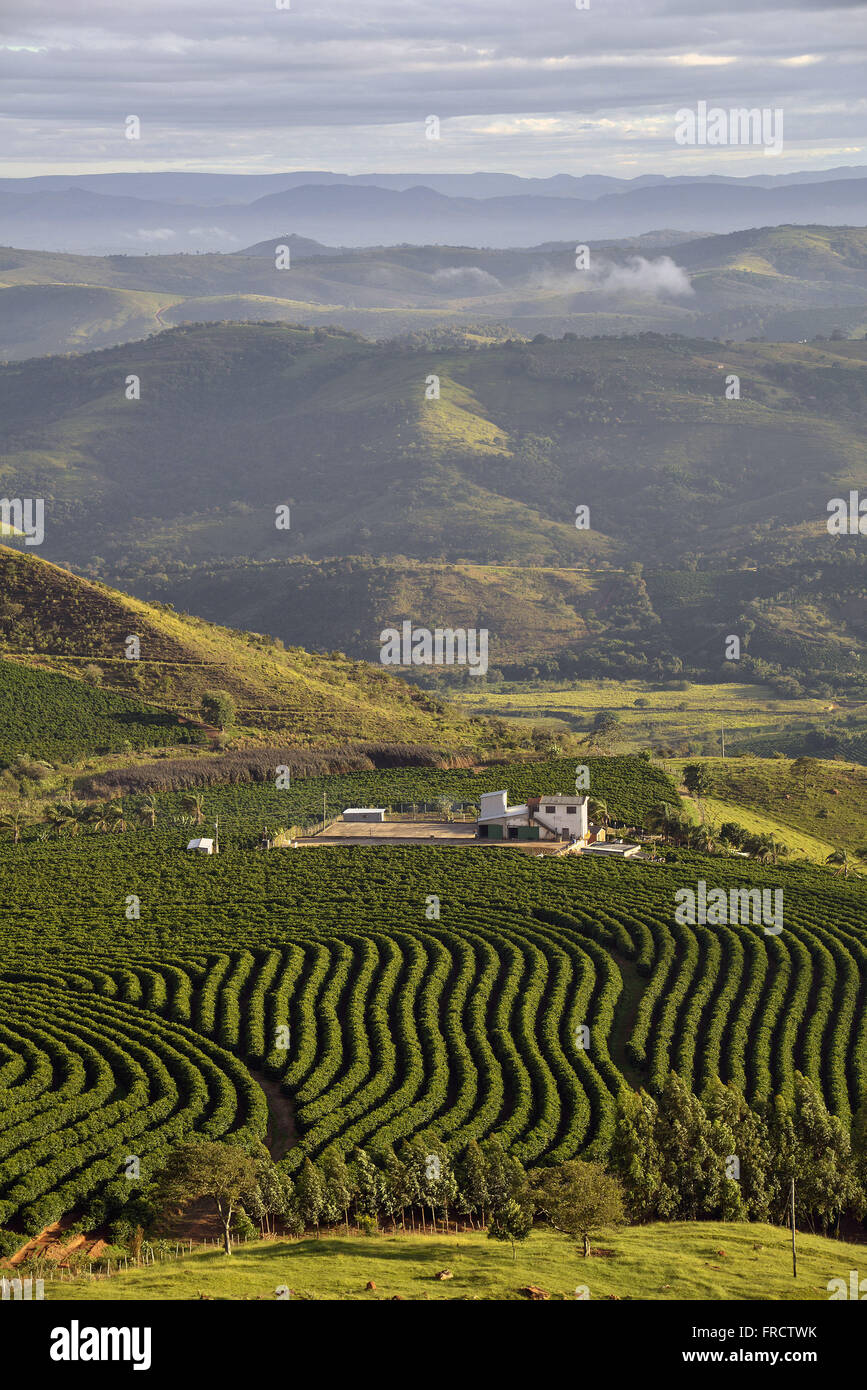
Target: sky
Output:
[(533, 88)]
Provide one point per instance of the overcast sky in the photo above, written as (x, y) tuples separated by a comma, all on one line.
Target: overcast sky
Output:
[(529, 88)]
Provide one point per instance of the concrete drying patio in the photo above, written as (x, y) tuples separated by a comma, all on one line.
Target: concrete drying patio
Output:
[(413, 832)]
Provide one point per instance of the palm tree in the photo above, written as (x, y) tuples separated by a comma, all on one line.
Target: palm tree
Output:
[(669, 820), (841, 857), (706, 835), (148, 811), (117, 815), (194, 805), (97, 816), (598, 809), (764, 848), (77, 813), (14, 822), (58, 817)]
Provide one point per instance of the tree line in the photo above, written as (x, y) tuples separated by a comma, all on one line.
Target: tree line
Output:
[(674, 1157)]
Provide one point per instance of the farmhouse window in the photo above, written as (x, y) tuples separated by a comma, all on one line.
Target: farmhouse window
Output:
[(550, 810)]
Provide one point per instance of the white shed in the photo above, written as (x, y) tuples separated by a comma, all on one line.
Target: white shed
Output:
[(203, 846), (364, 813)]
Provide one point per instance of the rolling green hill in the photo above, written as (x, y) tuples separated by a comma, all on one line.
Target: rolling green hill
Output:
[(787, 282), (53, 621), (676, 718), (723, 502), (831, 808), (664, 1261), (451, 1028)]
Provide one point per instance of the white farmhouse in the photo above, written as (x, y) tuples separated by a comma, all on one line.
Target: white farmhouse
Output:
[(554, 817)]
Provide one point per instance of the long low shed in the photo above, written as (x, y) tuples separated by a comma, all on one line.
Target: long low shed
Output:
[(366, 813)]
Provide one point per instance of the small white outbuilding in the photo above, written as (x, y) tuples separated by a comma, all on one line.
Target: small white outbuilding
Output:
[(202, 846)]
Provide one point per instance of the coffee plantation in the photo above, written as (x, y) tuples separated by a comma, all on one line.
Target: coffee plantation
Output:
[(140, 986)]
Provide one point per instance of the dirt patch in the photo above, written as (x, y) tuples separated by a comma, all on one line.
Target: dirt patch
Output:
[(53, 1244), (282, 1130), (198, 1223)]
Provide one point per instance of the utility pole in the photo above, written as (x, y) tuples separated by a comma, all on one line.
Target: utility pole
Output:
[(323, 812), (217, 835), (794, 1253)]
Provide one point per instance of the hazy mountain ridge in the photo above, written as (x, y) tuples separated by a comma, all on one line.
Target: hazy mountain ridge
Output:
[(82, 215), (175, 494), (779, 282)]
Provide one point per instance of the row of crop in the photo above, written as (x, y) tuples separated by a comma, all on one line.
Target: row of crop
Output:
[(543, 1122), (396, 1053), (304, 1028), (710, 1045), (736, 1043), (330, 1044), (603, 1078), (784, 1058), (228, 1005), (168, 1076), (463, 1071), (70, 1100), (663, 959), (581, 1061), (829, 1028), (254, 1045), (55, 1078), (41, 1142), (705, 981), (490, 1090), (563, 963)]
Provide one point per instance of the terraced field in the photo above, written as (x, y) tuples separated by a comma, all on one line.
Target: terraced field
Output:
[(329, 971)]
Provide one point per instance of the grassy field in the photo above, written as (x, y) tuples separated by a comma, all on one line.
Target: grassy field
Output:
[(691, 717), (764, 794), (718, 812), (673, 1262), (60, 622)]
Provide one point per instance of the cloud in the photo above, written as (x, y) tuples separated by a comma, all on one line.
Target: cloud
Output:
[(224, 85), (213, 234), (659, 278), (469, 278), (152, 234)]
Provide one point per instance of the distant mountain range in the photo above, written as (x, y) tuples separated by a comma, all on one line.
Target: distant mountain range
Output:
[(197, 212), (462, 509), (783, 283)]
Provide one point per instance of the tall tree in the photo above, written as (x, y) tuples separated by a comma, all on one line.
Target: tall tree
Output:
[(310, 1194), (218, 708), (513, 1221), (806, 768), (339, 1190), (579, 1198), (224, 1173), (693, 1174), (826, 1181), (368, 1184), (471, 1173), (696, 779), (635, 1157)]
